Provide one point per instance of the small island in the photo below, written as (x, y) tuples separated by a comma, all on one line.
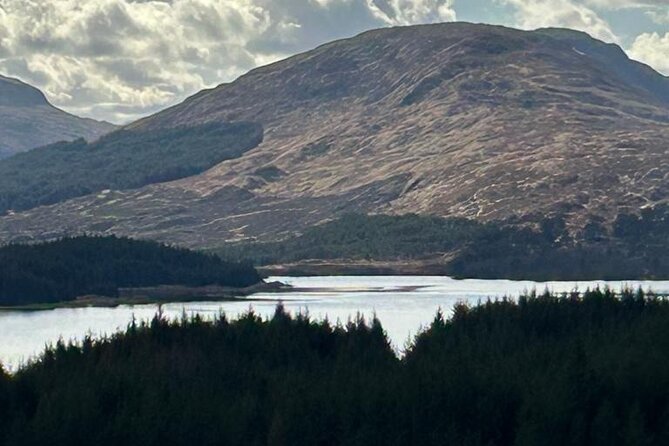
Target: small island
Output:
[(110, 271)]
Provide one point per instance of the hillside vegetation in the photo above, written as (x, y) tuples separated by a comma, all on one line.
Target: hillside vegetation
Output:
[(636, 246), (73, 267), (548, 370), (125, 159)]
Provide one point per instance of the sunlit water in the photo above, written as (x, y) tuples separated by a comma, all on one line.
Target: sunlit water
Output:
[(402, 312)]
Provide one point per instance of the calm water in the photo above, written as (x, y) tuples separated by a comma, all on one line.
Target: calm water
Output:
[(402, 312)]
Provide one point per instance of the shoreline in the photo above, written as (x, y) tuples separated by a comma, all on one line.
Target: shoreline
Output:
[(198, 295), (163, 294), (423, 267), (356, 268), (174, 294)]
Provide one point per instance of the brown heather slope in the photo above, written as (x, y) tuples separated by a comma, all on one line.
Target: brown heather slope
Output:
[(28, 120), (452, 119)]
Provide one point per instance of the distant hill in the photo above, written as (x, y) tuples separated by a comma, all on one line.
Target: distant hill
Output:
[(452, 120), (28, 120), (69, 268)]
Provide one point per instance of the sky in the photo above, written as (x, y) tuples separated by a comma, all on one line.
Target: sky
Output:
[(119, 60)]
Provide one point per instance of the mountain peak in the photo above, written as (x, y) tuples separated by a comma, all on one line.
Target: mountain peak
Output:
[(28, 120), (408, 62), (15, 93)]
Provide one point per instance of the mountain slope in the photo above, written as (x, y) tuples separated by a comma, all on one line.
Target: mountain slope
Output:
[(125, 159), (456, 119), (27, 120)]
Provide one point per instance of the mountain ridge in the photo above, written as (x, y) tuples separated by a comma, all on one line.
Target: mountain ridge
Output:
[(28, 120), (560, 34), (459, 120)]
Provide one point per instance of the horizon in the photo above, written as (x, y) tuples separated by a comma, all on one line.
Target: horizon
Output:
[(117, 60)]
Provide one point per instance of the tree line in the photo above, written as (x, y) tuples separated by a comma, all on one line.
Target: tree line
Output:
[(95, 265), (569, 369), (631, 247)]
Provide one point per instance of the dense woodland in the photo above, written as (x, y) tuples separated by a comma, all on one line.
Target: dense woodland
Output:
[(73, 267), (124, 159), (358, 236), (635, 246), (548, 370)]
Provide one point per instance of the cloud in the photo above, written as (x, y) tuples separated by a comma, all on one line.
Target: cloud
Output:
[(407, 12), (586, 15), (661, 17), (652, 49), (120, 59), (532, 14), (622, 4)]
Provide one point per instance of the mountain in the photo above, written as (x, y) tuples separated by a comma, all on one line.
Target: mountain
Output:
[(454, 120), (28, 120)]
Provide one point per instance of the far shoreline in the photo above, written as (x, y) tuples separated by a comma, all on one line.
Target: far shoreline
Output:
[(422, 267), (164, 294), (175, 294)]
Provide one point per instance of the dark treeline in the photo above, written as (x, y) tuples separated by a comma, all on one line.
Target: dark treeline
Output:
[(635, 246), (359, 236), (124, 159), (73, 267), (548, 370)]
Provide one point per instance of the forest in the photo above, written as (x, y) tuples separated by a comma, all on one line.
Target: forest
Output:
[(633, 246), (94, 265), (125, 159), (573, 369)]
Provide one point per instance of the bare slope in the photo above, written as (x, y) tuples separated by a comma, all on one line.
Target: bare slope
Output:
[(28, 120), (453, 119)]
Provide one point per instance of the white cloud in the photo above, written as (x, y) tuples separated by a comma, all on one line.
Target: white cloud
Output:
[(621, 4), (118, 59), (661, 17), (532, 14), (407, 12), (652, 49)]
